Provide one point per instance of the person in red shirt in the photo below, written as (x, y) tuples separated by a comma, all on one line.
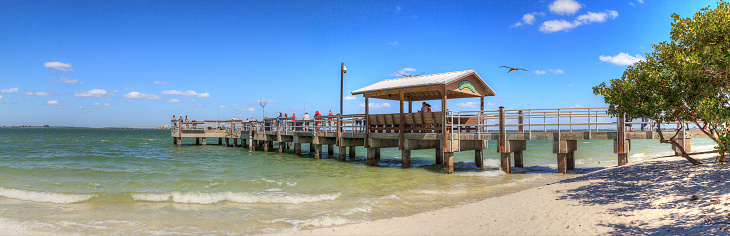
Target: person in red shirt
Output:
[(317, 119)]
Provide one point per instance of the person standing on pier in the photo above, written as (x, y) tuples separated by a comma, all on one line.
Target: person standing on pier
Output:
[(331, 121), (174, 121), (306, 117), (233, 122), (317, 120), (285, 121), (294, 121)]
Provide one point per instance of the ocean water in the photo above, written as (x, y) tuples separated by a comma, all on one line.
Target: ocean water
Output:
[(106, 181)]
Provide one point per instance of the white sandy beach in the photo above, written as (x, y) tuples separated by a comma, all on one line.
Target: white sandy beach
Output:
[(648, 197)]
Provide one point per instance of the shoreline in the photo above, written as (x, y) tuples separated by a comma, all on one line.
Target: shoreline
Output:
[(654, 196)]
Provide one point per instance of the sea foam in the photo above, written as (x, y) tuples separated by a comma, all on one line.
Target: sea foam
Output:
[(210, 198), (36, 196)]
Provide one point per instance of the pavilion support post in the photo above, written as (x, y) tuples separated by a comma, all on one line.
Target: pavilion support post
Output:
[(443, 130), (402, 122), (298, 148), (405, 161), (311, 147), (352, 152), (343, 153), (220, 141), (197, 141), (481, 114), (266, 146), (235, 142), (505, 162), (227, 142), (410, 104), (448, 162), (318, 151), (367, 124), (330, 150), (439, 156), (204, 142)]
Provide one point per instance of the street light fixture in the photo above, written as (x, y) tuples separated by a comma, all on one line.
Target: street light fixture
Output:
[(343, 70)]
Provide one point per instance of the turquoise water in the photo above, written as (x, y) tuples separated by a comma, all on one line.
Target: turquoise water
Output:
[(105, 181)]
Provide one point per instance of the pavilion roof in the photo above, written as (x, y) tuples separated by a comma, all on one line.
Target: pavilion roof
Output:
[(457, 84)]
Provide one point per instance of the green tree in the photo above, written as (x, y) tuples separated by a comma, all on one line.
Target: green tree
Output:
[(685, 79)]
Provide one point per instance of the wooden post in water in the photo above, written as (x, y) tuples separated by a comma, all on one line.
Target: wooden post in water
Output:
[(439, 156), (227, 142), (204, 142), (377, 154), (298, 148), (401, 126), (330, 150), (235, 142), (266, 146), (281, 148), (447, 154), (352, 152), (367, 125), (174, 140), (405, 158), (311, 147), (479, 157), (448, 162), (343, 153), (621, 141), (505, 164), (220, 141), (318, 151), (197, 141), (371, 161)]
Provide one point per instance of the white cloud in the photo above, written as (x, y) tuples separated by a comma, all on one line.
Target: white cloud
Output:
[(196, 105), (137, 95), (63, 79), (468, 104), (188, 93), (491, 103), (91, 93), (349, 98), (1, 96), (540, 72), (555, 26), (96, 104), (590, 17), (41, 94), (640, 1), (221, 106), (622, 59), (564, 7), (397, 9), (159, 82), (173, 100), (528, 19), (115, 91), (65, 67), (557, 71), (266, 100), (80, 107), (394, 43), (376, 105), (574, 106), (52, 102), (107, 104), (250, 109), (10, 90)]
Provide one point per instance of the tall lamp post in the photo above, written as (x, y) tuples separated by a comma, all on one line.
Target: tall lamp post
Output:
[(343, 70)]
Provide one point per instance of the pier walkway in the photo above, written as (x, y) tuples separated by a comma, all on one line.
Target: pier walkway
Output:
[(465, 131)]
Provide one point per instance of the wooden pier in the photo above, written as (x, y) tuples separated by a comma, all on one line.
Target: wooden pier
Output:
[(444, 132)]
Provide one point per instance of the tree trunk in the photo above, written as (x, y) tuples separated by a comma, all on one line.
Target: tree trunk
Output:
[(675, 144)]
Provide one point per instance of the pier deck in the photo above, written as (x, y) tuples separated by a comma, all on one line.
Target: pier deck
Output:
[(465, 131)]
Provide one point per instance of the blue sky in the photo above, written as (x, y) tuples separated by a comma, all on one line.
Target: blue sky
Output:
[(137, 63)]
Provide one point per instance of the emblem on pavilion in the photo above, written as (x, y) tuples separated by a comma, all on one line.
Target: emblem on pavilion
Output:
[(466, 84)]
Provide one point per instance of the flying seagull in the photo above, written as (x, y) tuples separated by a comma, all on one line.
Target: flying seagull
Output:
[(512, 69)]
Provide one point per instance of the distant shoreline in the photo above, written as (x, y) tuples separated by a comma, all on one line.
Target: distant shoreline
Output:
[(78, 127)]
